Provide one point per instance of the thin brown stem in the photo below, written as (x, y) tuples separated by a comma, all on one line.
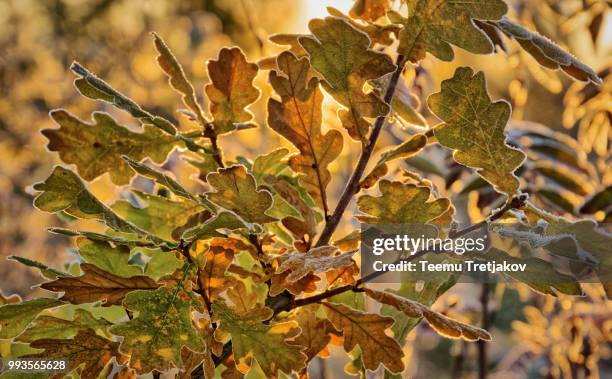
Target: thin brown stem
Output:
[(352, 187), (515, 203), (482, 345), (211, 134)]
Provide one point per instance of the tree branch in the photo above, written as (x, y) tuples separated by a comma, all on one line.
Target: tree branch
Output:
[(515, 203), (352, 187)]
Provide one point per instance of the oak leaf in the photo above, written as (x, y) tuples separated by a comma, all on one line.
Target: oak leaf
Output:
[(367, 331), (369, 10), (112, 259), (96, 148), (297, 117), (237, 191), (444, 325), (317, 260), (231, 90), (267, 343), (14, 318), (217, 259), (316, 333), (474, 128), (401, 204), (176, 77), (59, 328), (98, 285), (341, 54), (163, 326), (86, 349), (432, 26), (546, 52)]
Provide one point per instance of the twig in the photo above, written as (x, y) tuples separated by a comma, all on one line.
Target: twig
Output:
[(482, 345), (352, 187), (211, 134), (184, 248), (515, 203)]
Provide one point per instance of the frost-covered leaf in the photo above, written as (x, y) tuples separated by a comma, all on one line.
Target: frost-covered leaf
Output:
[(433, 25), (59, 328), (158, 215), (267, 343), (14, 318), (538, 274), (474, 128), (442, 324), (159, 177), (98, 285), (378, 33), (176, 77), (96, 148), (401, 203), (237, 191), (45, 271), (162, 327), (546, 52), (406, 149), (314, 261), (223, 220), (86, 348), (231, 90), (95, 88), (297, 117), (367, 331), (341, 54), (64, 191), (108, 258)]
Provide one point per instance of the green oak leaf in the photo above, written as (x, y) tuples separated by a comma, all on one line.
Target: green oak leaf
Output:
[(401, 203), (59, 328), (108, 258), (162, 326), (474, 128), (14, 318), (96, 148), (433, 25), (236, 190), (223, 220), (64, 191), (341, 54), (267, 343), (159, 215), (46, 271)]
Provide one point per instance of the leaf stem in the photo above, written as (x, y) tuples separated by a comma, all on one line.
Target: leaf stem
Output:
[(211, 134), (352, 187), (515, 203)]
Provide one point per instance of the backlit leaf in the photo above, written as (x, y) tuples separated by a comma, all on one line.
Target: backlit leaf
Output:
[(176, 77), (162, 327), (95, 88), (400, 203), (98, 285), (442, 324), (546, 52), (14, 318), (237, 191), (341, 54), (267, 343), (367, 331), (108, 258), (317, 260), (64, 191), (45, 271), (218, 257), (85, 348), (315, 335), (96, 148), (223, 220), (59, 328), (158, 215), (433, 25), (297, 117), (474, 128), (231, 90), (369, 10)]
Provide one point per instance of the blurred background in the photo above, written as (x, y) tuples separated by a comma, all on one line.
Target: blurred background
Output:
[(549, 337)]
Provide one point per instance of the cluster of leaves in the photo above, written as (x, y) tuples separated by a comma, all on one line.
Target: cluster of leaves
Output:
[(243, 278)]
